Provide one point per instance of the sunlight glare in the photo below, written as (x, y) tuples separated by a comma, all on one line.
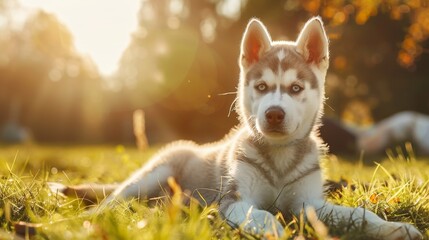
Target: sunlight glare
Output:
[(101, 29), (231, 8)]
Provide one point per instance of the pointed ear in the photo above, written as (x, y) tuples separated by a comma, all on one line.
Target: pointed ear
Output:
[(312, 42), (255, 41)]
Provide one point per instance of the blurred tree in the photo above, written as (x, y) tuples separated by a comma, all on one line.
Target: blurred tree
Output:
[(184, 54), (416, 11), (367, 59), (52, 83), (172, 70)]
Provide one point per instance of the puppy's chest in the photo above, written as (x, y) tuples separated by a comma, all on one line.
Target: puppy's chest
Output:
[(265, 179)]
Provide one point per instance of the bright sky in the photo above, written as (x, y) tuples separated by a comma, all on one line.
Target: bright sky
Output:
[(101, 29)]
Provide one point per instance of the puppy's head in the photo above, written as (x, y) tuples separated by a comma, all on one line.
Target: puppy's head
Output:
[(281, 89)]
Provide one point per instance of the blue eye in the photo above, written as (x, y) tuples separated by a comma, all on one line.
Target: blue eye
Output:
[(296, 88), (261, 87)]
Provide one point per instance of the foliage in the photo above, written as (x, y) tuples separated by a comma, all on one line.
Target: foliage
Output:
[(339, 12), (396, 190)]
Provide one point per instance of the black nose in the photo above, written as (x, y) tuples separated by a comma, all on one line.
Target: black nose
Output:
[(274, 115)]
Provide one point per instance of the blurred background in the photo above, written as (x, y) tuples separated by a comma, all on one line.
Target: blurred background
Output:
[(75, 71)]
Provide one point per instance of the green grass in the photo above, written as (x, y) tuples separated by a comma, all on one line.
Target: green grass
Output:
[(396, 189)]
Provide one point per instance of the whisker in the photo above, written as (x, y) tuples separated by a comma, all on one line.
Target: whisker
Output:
[(227, 93), (232, 106), (329, 106)]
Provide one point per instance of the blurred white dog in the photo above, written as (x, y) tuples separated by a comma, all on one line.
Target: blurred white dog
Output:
[(403, 126)]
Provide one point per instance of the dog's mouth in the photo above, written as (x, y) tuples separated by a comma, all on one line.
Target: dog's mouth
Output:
[(274, 131), (269, 131), (278, 132)]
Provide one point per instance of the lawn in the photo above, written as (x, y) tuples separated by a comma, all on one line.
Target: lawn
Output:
[(395, 187)]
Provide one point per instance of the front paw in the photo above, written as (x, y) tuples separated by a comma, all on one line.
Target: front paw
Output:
[(262, 223), (399, 231)]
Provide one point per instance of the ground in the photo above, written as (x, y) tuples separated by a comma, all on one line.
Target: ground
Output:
[(395, 187)]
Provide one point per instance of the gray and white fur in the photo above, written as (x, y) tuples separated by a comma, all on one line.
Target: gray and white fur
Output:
[(270, 162)]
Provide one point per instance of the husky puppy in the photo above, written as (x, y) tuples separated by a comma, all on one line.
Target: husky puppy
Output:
[(270, 162)]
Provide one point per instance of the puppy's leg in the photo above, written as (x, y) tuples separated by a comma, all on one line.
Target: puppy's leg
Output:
[(146, 183), (91, 193), (373, 225), (243, 214)]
